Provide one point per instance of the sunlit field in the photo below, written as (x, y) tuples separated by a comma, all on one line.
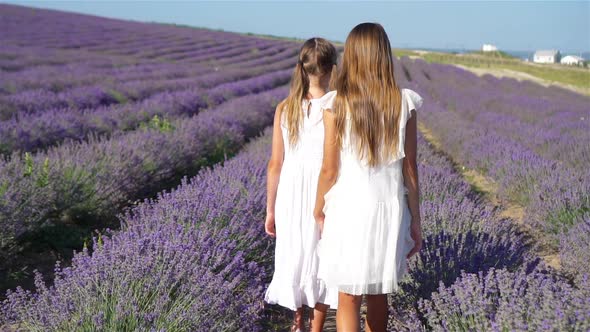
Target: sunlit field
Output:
[(133, 190)]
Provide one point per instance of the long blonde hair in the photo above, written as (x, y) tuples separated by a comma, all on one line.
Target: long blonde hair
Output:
[(367, 91), (317, 57)]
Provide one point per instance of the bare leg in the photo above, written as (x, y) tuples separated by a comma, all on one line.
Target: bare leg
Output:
[(348, 313), (376, 313), (298, 321), (318, 316)]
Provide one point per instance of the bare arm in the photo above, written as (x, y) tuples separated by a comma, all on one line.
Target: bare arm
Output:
[(273, 173), (410, 173), (330, 165)]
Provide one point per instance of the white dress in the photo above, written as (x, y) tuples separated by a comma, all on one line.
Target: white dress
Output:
[(367, 226), (295, 281)]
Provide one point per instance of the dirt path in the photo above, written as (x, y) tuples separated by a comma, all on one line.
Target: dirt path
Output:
[(489, 189), (503, 72), (330, 324)]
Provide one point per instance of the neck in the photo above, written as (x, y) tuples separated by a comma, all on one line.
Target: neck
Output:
[(318, 86)]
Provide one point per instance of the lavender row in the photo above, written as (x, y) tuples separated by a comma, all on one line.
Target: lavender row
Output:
[(185, 45), (458, 306), (227, 50), (100, 34), (38, 100), (524, 136), (63, 77), (105, 93), (200, 251), (217, 216), (272, 54), (500, 300), (549, 121), (72, 75), (462, 232), (162, 37), (548, 125), (90, 181), (290, 52), (209, 47), (574, 249), (25, 26), (17, 58), (39, 131)]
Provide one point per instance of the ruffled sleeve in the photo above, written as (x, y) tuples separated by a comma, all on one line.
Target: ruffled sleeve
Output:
[(328, 100), (410, 101), (413, 100)]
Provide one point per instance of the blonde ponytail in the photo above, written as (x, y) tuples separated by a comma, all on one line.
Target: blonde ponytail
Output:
[(333, 77), (317, 57)]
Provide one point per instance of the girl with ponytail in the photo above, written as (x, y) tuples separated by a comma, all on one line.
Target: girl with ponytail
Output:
[(293, 171)]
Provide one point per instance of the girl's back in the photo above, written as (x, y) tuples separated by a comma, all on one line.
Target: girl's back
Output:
[(367, 228), (309, 148), (369, 183)]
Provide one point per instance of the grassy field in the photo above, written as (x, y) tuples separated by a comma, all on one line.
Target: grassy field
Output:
[(399, 52), (493, 55), (575, 76)]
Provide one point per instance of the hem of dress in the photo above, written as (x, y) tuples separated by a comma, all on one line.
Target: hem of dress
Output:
[(294, 297), (387, 287)]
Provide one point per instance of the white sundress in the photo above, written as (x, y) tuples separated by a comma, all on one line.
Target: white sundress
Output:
[(366, 233), (295, 281)]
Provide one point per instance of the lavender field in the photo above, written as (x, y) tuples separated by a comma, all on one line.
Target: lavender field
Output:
[(143, 148), (94, 120)]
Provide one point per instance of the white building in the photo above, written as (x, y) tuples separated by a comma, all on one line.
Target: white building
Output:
[(547, 56), (489, 48), (572, 60)]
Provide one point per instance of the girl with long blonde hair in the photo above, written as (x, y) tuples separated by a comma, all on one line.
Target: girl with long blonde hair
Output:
[(293, 170), (370, 226)]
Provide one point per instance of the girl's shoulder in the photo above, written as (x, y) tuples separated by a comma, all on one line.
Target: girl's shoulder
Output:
[(327, 100), (281, 105)]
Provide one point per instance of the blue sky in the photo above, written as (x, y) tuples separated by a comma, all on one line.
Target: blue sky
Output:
[(511, 25)]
